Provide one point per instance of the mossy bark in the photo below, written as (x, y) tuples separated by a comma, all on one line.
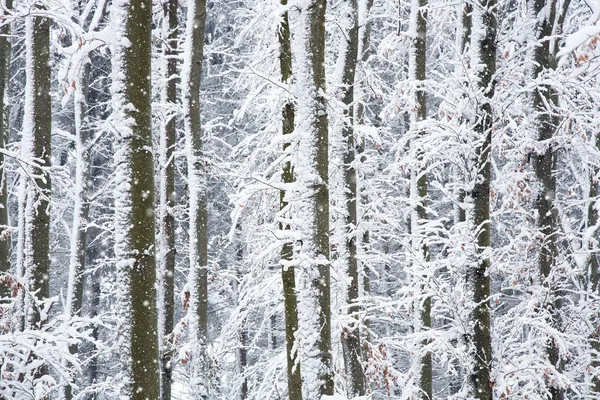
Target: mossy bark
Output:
[(140, 232), (315, 49), (288, 275), (37, 222)]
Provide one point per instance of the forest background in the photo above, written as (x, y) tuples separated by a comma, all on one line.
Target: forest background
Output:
[(305, 199)]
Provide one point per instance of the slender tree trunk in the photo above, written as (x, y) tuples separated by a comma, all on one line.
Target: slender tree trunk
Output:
[(168, 138), (478, 275), (5, 234), (351, 335), (94, 285), (364, 41), (74, 300), (198, 245), (242, 352), (593, 262), (288, 275), (134, 199), (313, 159), (419, 187), (545, 100)]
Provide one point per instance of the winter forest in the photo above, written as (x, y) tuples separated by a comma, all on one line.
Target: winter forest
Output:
[(299, 199)]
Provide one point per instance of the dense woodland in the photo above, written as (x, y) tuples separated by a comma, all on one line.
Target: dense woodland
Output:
[(299, 199)]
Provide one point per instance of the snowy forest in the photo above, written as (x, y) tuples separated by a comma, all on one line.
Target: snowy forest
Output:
[(299, 199)]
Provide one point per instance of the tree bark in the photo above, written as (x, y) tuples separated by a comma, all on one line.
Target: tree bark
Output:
[(313, 154), (419, 177), (545, 100), (168, 139), (288, 275), (38, 131), (364, 37), (478, 275), (134, 199), (198, 244), (5, 234), (351, 335)]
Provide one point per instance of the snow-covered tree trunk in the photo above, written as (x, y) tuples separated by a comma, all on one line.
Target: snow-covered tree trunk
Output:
[(312, 171), (483, 43), (36, 138), (288, 274), (198, 244), (5, 234), (418, 187), (166, 151), (83, 136), (545, 101), (593, 265), (134, 198), (351, 335), (364, 43), (242, 349)]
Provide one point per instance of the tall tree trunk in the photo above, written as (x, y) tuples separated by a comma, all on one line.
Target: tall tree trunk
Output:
[(134, 198), (241, 351), (351, 335), (313, 173), (198, 245), (74, 299), (484, 44), (364, 41), (37, 133), (168, 138), (545, 100), (5, 239), (593, 262), (419, 186), (288, 275)]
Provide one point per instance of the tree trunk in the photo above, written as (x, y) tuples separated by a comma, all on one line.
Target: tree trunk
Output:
[(5, 234), (593, 262), (351, 335), (81, 210), (545, 100), (198, 245), (419, 178), (37, 132), (364, 41), (313, 173), (168, 139), (134, 199), (288, 275), (478, 274)]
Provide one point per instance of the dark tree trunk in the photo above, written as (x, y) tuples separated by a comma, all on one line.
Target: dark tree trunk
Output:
[(288, 275)]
